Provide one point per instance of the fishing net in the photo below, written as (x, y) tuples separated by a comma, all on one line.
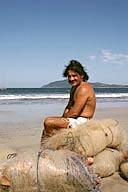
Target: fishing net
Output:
[(114, 133), (107, 162), (124, 165), (124, 170), (87, 139), (60, 171), (60, 166), (123, 147)]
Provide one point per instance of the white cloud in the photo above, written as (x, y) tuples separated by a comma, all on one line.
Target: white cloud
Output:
[(92, 57), (109, 57)]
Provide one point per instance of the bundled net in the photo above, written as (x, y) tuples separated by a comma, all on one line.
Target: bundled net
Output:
[(107, 162), (83, 139), (124, 165), (59, 171), (60, 165), (124, 170)]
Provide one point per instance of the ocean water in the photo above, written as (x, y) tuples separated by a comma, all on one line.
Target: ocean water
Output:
[(37, 103), (56, 95)]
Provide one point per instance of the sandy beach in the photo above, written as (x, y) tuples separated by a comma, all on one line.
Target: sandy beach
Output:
[(21, 128)]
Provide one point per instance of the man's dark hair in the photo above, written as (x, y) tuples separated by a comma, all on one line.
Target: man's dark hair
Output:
[(76, 67)]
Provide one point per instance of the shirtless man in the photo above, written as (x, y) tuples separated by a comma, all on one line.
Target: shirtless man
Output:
[(82, 102)]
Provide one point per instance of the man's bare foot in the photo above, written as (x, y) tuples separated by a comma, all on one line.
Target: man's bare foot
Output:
[(90, 160)]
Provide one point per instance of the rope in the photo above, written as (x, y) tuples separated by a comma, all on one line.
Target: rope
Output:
[(11, 155), (84, 168), (69, 143), (109, 128), (37, 172)]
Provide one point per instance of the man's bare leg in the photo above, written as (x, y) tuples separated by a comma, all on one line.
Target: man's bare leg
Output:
[(52, 123)]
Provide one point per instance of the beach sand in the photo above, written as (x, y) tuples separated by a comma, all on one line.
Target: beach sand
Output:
[(21, 131)]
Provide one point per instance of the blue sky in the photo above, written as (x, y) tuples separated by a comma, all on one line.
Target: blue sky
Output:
[(39, 37)]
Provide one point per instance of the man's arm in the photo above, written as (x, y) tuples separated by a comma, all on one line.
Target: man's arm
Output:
[(67, 108), (81, 98), (69, 105), (65, 111)]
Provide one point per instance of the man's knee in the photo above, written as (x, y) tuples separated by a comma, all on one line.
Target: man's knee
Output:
[(51, 123), (47, 122)]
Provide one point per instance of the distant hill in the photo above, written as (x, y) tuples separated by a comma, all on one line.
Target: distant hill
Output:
[(65, 84), (57, 84)]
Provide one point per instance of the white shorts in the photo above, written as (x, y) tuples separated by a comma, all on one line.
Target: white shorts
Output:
[(73, 123)]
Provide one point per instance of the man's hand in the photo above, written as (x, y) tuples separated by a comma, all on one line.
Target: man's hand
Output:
[(65, 111)]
